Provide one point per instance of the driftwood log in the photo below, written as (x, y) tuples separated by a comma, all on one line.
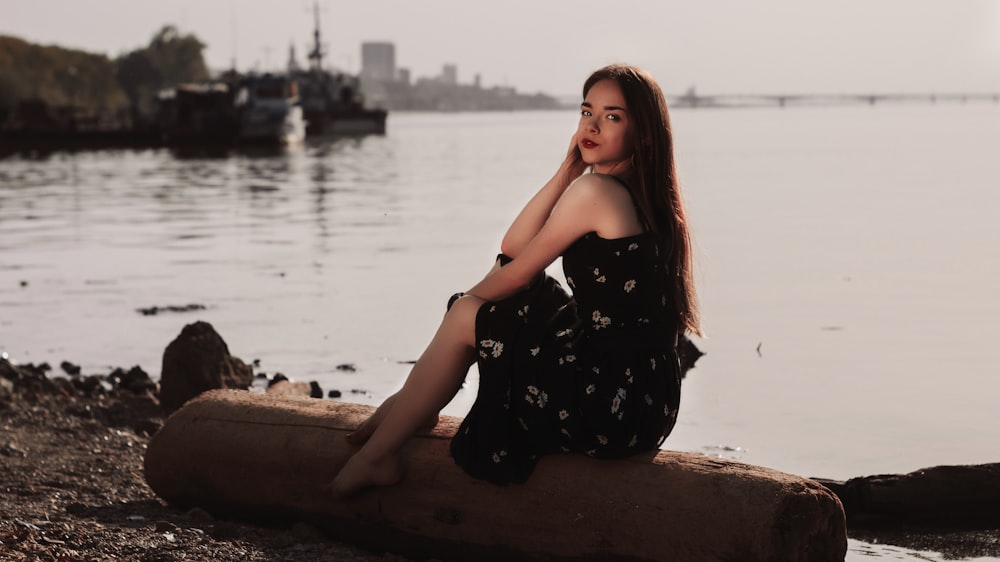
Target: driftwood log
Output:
[(939, 497), (249, 455)]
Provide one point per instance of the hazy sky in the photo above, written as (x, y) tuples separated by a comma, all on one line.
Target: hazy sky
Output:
[(721, 46)]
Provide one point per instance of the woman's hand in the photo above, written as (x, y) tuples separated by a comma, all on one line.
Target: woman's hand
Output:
[(573, 166)]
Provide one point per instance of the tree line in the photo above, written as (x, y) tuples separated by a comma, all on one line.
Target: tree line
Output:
[(39, 81)]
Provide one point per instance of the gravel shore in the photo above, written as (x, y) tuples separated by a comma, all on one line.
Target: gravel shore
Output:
[(72, 484)]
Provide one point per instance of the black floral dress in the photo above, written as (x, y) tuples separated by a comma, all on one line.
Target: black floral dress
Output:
[(595, 373)]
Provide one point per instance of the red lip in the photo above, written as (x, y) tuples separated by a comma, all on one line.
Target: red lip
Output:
[(587, 143)]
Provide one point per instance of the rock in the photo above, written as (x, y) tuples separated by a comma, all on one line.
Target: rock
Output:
[(8, 371), (334, 394), (289, 388), (136, 381), (196, 361), (70, 368), (687, 353), (278, 377), (214, 452), (954, 497), (88, 385), (12, 449), (315, 390)]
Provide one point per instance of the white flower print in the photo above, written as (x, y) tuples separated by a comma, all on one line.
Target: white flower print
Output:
[(628, 376), (649, 400), (591, 452), (591, 389), (633, 246), (493, 308), (634, 441), (602, 439), (616, 402), (523, 311), (652, 362), (563, 414), (529, 399), (496, 347), (569, 281), (600, 321), (597, 272), (666, 410), (621, 393), (565, 432), (596, 370), (533, 389), (629, 285), (570, 358), (543, 399), (564, 448), (524, 426), (601, 279), (497, 456), (535, 350)]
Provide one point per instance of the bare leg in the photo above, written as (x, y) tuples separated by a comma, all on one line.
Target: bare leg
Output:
[(364, 432), (360, 435), (432, 383)]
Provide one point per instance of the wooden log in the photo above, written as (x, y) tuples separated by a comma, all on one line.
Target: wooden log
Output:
[(941, 497), (251, 455)]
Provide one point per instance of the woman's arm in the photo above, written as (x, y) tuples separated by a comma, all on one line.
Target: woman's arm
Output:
[(530, 220), (586, 206)]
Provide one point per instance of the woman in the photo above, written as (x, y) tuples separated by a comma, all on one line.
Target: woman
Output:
[(595, 373)]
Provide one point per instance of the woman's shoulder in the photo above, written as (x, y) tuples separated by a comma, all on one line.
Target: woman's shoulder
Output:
[(602, 186), (608, 204)]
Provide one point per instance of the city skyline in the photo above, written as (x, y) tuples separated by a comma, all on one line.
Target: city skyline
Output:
[(726, 47)]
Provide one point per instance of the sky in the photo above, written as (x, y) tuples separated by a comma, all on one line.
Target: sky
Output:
[(717, 46)]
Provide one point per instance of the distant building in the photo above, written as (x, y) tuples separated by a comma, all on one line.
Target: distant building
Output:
[(378, 61), (403, 76), (449, 74)]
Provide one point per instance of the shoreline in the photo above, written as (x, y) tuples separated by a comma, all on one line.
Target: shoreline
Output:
[(72, 455)]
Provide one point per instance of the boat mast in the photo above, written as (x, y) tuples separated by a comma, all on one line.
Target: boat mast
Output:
[(316, 54)]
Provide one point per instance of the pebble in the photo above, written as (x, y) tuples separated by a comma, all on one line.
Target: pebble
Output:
[(11, 449)]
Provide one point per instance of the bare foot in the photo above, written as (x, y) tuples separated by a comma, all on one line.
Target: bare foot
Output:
[(360, 473)]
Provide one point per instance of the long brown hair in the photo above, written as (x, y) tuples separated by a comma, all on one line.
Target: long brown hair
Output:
[(654, 180)]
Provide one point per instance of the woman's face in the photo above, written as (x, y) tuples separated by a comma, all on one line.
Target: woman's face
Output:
[(605, 133)]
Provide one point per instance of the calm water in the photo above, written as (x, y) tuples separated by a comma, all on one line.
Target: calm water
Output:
[(846, 260)]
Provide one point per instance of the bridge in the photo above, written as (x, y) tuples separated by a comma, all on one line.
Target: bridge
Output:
[(692, 100)]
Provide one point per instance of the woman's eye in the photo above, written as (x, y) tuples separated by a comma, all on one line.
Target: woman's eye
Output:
[(585, 113), (613, 117)]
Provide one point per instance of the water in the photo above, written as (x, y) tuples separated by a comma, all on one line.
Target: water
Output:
[(846, 259)]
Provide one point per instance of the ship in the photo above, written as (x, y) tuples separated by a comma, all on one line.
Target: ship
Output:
[(332, 102)]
